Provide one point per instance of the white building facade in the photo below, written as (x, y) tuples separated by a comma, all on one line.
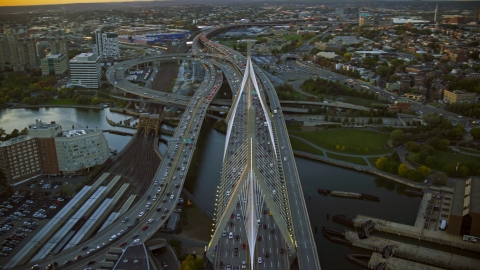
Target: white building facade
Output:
[(106, 44), (85, 70), (80, 149)]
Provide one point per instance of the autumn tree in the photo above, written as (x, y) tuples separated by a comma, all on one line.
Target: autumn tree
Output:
[(381, 163)]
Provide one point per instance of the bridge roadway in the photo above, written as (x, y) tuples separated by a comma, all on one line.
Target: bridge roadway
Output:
[(171, 172), (306, 249)]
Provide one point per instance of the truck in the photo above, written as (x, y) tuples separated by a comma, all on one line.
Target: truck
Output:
[(275, 111), (443, 224), (469, 238)]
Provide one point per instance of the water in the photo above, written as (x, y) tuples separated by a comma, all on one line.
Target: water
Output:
[(11, 119)]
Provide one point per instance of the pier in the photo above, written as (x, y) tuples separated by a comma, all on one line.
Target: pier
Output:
[(438, 237), (412, 253)]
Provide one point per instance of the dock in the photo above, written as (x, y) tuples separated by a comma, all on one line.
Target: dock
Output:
[(414, 253), (118, 132), (438, 237), (348, 194)]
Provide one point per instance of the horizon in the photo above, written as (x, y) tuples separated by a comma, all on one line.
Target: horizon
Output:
[(26, 3)]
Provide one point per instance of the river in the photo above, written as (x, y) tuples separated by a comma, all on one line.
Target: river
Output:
[(204, 175)]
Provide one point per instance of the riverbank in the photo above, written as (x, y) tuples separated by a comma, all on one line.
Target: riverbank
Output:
[(371, 170), (25, 106)]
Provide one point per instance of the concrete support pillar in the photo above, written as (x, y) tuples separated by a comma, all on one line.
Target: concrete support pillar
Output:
[(124, 93)]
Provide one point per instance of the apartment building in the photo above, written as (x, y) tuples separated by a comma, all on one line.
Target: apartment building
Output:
[(85, 70), (458, 96), (59, 45), (18, 52), (20, 159)]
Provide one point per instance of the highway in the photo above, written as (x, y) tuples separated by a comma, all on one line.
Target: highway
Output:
[(161, 197), (170, 176), (306, 250)]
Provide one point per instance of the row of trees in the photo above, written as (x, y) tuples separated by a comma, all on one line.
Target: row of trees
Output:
[(393, 165), (15, 133), (326, 87), (192, 263)]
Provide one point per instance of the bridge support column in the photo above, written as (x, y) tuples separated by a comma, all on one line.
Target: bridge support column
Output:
[(124, 93)]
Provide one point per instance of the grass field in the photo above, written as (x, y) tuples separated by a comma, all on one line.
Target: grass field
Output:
[(468, 150), (304, 147), (355, 141), (449, 156), (61, 102), (195, 224), (354, 160), (292, 128)]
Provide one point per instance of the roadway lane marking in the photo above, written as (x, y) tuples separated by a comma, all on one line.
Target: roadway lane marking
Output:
[(302, 232)]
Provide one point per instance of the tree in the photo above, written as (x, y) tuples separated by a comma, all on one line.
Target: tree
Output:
[(24, 131), (189, 263), (431, 161), (475, 133), (397, 136), (95, 101), (403, 170), (439, 178), (424, 170), (381, 163)]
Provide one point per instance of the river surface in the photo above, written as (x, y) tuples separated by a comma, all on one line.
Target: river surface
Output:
[(204, 176)]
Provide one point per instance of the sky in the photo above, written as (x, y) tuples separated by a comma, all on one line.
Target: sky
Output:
[(51, 2)]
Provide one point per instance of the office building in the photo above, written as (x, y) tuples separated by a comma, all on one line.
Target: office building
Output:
[(55, 64), (45, 136), (80, 149), (85, 70), (458, 96), (20, 159), (106, 44)]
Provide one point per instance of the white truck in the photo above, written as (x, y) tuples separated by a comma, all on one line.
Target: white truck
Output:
[(275, 111), (469, 238)]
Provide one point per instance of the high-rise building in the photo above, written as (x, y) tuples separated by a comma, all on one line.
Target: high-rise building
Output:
[(106, 44), (85, 70), (55, 64), (19, 53)]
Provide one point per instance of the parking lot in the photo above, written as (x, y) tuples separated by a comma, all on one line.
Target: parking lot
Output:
[(24, 213)]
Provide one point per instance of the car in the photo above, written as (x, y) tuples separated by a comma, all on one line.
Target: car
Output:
[(125, 219), (244, 265), (259, 238), (68, 262), (100, 246), (120, 232), (36, 266), (150, 220), (136, 241), (123, 244), (166, 210), (113, 237), (163, 217), (144, 228), (235, 252), (91, 262), (282, 251), (260, 260), (78, 257), (267, 254), (230, 235), (164, 265), (141, 214), (91, 251), (224, 233), (135, 236)]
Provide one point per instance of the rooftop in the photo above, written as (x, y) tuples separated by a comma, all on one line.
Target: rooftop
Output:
[(459, 196), (76, 132), (15, 140)]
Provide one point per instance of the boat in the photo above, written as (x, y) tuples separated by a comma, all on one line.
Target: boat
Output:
[(359, 259)]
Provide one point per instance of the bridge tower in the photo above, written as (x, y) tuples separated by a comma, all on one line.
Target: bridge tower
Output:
[(154, 123), (251, 197), (143, 122)]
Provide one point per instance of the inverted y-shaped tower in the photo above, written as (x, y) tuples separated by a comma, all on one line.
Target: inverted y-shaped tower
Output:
[(252, 219)]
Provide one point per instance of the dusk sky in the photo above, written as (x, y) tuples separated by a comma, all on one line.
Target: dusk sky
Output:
[(51, 2)]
